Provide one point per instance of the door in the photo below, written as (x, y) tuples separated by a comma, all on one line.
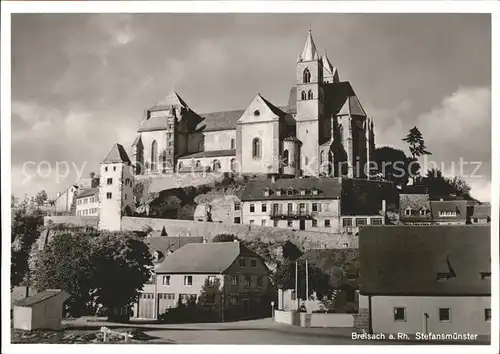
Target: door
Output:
[(146, 305), (302, 225)]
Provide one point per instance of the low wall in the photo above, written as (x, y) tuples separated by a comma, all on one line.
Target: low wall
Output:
[(314, 319), (90, 221), (304, 239), (177, 180)]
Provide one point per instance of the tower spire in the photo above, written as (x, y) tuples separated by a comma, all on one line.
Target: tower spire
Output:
[(309, 53)]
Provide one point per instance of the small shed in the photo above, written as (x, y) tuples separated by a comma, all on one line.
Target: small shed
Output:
[(41, 311)]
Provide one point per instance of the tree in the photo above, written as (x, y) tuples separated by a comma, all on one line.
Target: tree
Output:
[(319, 282), (440, 186), (164, 232), (417, 147), (211, 299), (224, 238), (41, 197), (27, 221), (65, 264), (394, 165), (123, 263)]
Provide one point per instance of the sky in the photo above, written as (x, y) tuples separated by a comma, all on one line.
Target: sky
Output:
[(81, 82)]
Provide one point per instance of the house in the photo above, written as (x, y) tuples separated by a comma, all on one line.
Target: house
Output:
[(426, 279), (449, 212), (481, 214), (43, 310), (87, 202), (415, 209), (243, 275)]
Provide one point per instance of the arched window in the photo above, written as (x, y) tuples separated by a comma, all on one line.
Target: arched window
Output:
[(310, 95), (216, 166), (154, 155), (303, 95), (306, 76), (256, 148), (285, 158), (233, 144), (233, 165)]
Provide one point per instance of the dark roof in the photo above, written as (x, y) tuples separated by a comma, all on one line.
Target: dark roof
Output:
[(163, 244), (88, 192), (116, 155), (328, 188), (416, 202), (203, 258), (365, 197), (406, 260), (225, 120), (415, 189), (212, 153), (340, 264), (37, 298), (481, 211), (458, 206)]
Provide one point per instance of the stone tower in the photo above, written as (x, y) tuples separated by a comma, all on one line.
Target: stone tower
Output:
[(309, 105), (116, 183)]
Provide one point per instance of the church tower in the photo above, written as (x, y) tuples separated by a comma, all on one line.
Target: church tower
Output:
[(116, 185), (309, 106)]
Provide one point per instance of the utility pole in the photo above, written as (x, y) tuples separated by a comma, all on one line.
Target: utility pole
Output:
[(307, 282), (296, 283)]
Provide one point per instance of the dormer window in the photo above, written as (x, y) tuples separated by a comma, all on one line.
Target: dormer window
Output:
[(314, 192), (447, 213), (279, 192), (423, 212), (408, 211), (302, 192), (289, 192), (267, 192), (485, 275)]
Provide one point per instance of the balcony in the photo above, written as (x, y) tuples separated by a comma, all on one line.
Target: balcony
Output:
[(296, 214)]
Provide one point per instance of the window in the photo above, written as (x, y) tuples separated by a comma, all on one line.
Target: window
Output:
[(264, 207), (180, 165), (237, 220), (233, 300), (293, 295), (253, 263), (279, 192), (108, 195), (407, 211), (399, 314), (314, 192), (377, 221), (237, 206), (242, 262), (263, 223), (303, 95), (327, 223), (302, 192), (248, 281), (423, 212), (487, 315), (306, 159), (114, 168), (165, 280), (485, 275), (234, 280), (306, 76), (259, 282), (252, 208), (290, 223), (347, 222), (233, 144), (302, 208), (285, 158), (289, 192), (275, 223), (197, 163), (154, 155), (327, 205), (233, 165), (211, 280), (314, 223), (256, 113), (109, 181), (314, 206), (445, 315), (125, 197), (256, 148), (310, 95), (252, 222), (106, 168), (216, 165), (345, 245), (188, 280), (361, 222)]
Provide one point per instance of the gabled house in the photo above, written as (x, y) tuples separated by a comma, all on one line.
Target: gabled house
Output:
[(449, 212), (243, 275), (481, 214), (426, 279), (415, 209)]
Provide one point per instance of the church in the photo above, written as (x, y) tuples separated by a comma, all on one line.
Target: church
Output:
[(323, 131)]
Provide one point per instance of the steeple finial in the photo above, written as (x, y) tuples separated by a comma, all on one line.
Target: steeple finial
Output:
[(309, 53)]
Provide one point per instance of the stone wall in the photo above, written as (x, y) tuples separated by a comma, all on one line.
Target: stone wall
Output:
[(303, 239), (88, 221), (154, 184)]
